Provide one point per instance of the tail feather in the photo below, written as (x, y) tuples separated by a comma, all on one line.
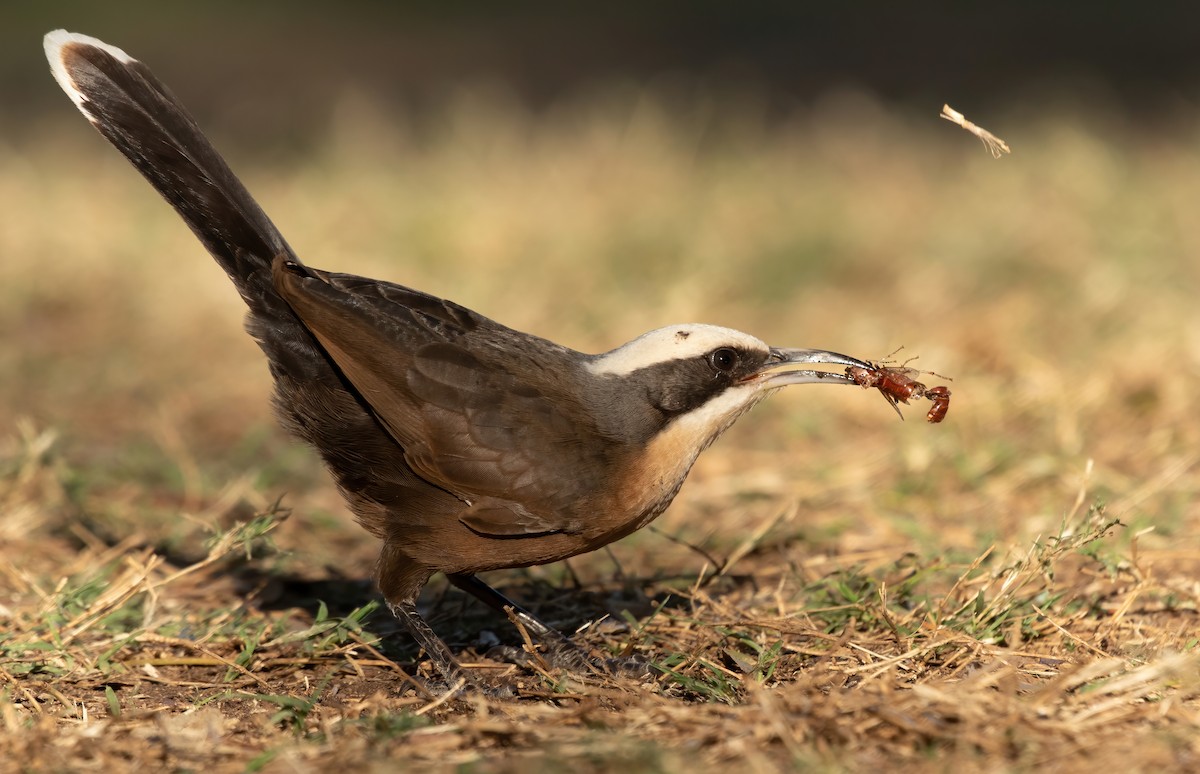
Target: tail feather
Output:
[(139, 115)]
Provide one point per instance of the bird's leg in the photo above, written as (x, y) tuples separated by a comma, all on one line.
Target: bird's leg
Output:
[(437, 650), (497, 601), (400, 580), (560, 650)]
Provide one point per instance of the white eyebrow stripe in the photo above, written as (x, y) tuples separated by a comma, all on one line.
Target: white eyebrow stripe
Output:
[(674, 342), (55, 42)]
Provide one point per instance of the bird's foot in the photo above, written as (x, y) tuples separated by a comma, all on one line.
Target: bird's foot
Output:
[(450, 682), (569, 657)]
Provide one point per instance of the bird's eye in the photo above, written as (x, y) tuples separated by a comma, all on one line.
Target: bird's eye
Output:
[(723, 360)]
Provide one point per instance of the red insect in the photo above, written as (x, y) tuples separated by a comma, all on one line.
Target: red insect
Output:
[(941, 403), (898, 384)]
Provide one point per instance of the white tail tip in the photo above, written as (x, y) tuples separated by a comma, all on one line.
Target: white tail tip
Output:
[(56, 41)]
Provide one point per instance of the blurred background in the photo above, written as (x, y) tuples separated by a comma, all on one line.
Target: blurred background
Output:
[(589, 173)]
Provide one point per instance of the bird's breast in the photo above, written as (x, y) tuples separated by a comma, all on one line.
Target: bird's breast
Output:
[(654, 476)]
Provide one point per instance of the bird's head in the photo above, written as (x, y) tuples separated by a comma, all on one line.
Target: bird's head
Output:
[(701, 378)]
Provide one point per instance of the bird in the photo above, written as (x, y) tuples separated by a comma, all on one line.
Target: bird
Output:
[(463, 445)]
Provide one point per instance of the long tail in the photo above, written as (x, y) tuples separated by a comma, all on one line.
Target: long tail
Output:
[(139, 115)]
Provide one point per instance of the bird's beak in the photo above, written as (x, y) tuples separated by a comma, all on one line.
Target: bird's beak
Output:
[(769, 377)]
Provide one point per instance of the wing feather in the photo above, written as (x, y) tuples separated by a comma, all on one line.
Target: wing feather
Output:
[(471, 426)]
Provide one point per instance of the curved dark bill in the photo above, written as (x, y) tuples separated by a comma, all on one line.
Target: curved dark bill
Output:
[(782, 357)]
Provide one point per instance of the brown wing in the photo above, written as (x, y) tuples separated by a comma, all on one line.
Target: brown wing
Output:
[(471, 427)]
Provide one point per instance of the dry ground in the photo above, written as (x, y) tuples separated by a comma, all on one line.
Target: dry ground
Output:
[(1014, 589)]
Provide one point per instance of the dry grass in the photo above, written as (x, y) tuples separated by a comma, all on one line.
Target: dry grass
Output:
[(1013, 589)]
